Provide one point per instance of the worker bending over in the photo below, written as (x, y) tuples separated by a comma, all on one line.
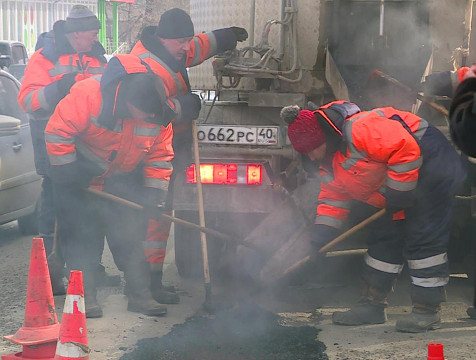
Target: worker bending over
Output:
[(394, 160), (169, 49), (111, 133)]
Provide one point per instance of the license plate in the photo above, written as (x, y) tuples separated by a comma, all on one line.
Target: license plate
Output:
[(238, 135)]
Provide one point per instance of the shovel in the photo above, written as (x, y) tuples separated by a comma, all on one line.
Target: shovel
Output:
[(133, 205), (408, 89), (201, 212), (334, 242)]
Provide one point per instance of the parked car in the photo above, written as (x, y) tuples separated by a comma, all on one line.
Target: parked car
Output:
[(13, 58), (20, 185)]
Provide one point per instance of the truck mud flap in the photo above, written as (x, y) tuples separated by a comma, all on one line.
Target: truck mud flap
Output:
[(293, 250)]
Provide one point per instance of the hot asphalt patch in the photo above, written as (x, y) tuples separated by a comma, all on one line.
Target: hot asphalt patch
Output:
[(246, 332)]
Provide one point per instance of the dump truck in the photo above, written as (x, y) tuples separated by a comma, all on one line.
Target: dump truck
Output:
[(255, 186)]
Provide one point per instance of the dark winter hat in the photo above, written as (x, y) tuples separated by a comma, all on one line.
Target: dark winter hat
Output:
[(80, 18), (462, 117), (175, 24), (305, 132), (144, 92)]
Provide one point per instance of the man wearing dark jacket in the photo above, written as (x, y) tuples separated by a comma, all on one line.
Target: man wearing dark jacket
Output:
[(463, 127), (463, 114), (67, 54), (169, 49)]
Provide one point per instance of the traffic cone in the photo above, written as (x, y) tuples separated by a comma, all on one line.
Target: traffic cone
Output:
[(40, 328), (435, 352), (73, 337)]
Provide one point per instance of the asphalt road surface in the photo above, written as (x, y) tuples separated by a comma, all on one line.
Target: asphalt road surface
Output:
[(309, 304)]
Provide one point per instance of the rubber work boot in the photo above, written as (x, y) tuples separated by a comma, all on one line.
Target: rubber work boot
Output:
[(138, 282), (471, 311), (142, 302), (419, 322), (369, 310), (92, 307), (162, 294), (360, 315)]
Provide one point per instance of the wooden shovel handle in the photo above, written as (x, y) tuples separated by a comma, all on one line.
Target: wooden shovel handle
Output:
[(334, 242)]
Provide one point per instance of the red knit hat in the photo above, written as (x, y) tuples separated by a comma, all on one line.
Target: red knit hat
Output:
[(305, 133)]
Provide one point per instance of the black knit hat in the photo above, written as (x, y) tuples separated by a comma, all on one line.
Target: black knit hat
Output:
[(80, 18), (175, 24), (463, 118)]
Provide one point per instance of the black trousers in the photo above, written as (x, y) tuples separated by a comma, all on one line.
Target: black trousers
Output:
[(422, 238), (46, 208), (85, 220)]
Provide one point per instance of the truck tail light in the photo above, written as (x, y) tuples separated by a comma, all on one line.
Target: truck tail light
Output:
[(226, 174), (253, 175)]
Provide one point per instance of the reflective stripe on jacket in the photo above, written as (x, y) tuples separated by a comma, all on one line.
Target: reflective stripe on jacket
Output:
[(39, 93), (73, 129), (202, 47), (381, 155)]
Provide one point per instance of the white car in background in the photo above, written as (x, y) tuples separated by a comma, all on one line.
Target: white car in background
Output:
[(20, 185)]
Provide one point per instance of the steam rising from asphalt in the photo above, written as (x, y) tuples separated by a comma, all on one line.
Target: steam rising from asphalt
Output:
[(402, 52)]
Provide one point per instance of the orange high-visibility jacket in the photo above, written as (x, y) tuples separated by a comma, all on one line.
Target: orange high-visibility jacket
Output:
[(202, 47), (73, 129), (39, 93), (381, 155), (461, 73)]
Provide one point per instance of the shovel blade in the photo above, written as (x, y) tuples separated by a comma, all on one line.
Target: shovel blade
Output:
[(275, 233)]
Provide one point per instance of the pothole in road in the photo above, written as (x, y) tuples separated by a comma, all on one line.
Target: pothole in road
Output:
[(246, 332)]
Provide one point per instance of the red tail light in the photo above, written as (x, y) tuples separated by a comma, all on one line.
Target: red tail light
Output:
[(226, 174)]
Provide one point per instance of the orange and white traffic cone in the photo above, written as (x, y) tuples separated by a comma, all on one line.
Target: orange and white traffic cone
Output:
[(73, 334), (40, 329), (435, 352)]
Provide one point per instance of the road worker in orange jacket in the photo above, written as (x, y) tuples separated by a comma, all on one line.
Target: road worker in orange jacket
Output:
[(169, 49), (394, 160), (67, 54), (110, 132)]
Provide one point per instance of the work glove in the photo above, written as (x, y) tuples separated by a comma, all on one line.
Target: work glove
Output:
[(439, 84), (69, 174), (240, 33), (66, 82), (189, 107), (398, 200), (153, 201)]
